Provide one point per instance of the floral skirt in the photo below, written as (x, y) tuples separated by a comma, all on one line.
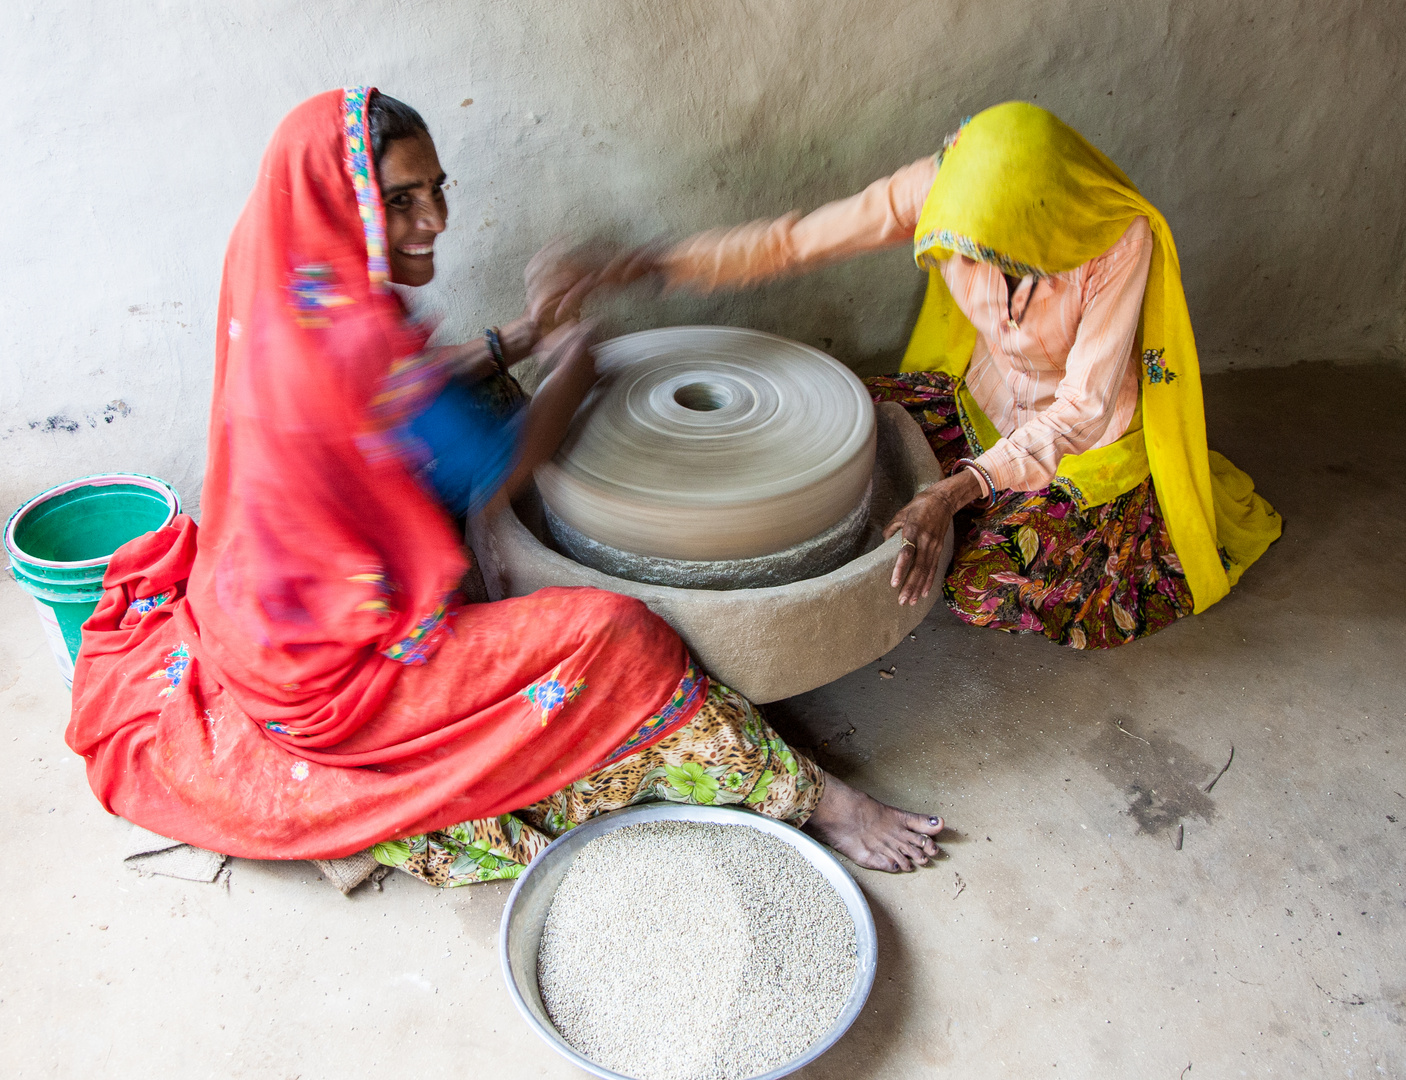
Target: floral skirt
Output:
[(726, 755), (1035, 562)]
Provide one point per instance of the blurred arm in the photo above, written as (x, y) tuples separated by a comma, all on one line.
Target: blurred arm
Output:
[(882, 215)]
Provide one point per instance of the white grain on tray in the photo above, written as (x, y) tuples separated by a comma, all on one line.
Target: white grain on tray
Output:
[(688, 951)]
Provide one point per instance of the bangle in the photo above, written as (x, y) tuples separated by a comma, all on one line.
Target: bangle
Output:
[(495, 347), (983, 478)]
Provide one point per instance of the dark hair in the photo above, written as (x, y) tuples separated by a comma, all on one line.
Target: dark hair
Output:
[(389, 120)]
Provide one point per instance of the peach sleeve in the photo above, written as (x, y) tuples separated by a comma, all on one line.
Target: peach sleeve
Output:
[(1098, 365), (882, 215)]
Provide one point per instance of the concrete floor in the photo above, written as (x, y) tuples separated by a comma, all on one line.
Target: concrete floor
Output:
[(1064, 935)]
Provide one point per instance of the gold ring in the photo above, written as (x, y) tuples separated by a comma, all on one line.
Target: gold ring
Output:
[(909, 543)]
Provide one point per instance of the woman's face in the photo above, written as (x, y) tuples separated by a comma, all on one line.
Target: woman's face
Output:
[(412, 188)]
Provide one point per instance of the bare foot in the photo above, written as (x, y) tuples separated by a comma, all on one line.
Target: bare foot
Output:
[(873, 835)]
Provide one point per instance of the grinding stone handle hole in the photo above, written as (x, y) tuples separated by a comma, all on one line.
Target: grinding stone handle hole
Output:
[(702, 397)]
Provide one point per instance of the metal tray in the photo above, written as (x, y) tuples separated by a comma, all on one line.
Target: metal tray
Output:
[(523, 919)]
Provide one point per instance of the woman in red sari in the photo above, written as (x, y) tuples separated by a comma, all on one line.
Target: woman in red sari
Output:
[(298, 678)]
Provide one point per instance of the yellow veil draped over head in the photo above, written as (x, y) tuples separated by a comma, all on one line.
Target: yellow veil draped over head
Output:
[(1019, 188)]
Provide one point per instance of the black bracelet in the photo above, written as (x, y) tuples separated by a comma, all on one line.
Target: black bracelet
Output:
[(495, 347)]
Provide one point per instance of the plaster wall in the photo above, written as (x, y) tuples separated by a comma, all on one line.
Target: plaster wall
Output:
[(1267, 133)]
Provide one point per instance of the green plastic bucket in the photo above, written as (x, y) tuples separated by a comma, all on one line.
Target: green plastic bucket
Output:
[(59, 544)]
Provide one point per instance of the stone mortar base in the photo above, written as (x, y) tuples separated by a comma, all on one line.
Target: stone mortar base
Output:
[(767, 643)]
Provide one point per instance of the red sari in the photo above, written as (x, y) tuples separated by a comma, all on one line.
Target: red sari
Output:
[(296, 678)]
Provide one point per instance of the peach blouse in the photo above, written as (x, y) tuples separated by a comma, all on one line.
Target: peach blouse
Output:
[(1054, 366)]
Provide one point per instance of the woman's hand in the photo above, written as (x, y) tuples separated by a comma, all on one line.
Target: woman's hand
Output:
[(551, 274), (520, 337), (474, 360), (560, 279), (569, 360), (549, 413), (471, 362), (923, 523)]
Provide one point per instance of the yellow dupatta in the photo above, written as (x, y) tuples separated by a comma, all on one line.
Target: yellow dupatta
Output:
[(1019, 188)]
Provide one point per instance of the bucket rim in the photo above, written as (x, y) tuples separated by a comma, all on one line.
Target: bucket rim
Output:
[(89, 595), (151, 483)]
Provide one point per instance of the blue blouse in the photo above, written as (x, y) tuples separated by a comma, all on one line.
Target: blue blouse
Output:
[(471, 431)]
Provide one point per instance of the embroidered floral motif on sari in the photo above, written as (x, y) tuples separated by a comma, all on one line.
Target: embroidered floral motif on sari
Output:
[(144, 604), (550, 694), (1157, 371), (177, 660), (419, 645), (312, 289)]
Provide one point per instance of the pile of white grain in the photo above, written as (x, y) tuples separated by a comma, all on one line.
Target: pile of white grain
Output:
[(687, 951)]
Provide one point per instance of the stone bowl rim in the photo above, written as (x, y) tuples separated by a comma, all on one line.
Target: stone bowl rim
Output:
[(859, 566)]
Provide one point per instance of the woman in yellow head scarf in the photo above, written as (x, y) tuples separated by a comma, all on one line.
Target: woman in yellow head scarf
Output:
[(1054, 371)]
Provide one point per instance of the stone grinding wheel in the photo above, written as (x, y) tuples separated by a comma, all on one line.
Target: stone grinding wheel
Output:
[(712, 443)]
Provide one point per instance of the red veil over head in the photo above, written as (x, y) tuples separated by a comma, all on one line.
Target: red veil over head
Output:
[(321, 560)]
